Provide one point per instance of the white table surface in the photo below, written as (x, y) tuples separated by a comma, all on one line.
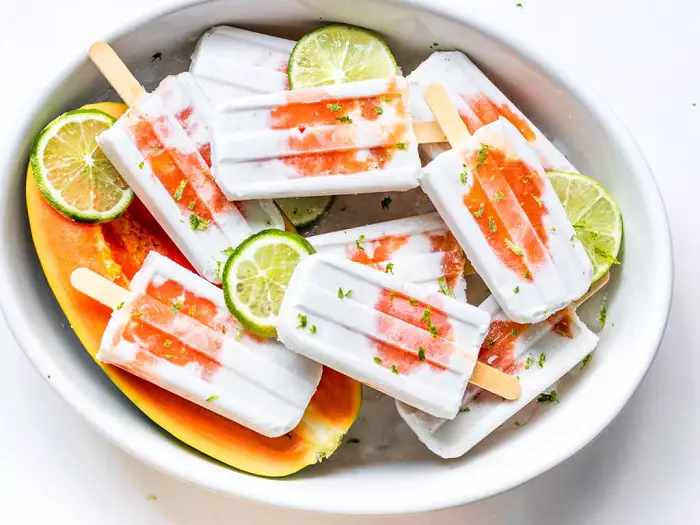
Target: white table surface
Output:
[(643, 56)]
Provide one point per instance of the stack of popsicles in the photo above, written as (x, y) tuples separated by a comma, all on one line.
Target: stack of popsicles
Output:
[(206, 146)]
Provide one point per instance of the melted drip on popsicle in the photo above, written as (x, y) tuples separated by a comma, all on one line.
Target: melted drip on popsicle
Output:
[(435, 342), (516, 180)]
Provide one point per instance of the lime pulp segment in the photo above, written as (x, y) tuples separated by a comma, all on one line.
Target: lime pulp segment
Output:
[(339, 53), (256, 277), (73, 173), (595, 216)]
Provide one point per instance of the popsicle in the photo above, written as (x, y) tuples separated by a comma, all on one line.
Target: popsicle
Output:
[(172, 328), (478, 101), (539, 355), (340, 139), (229, 62), (411, 343), (161, 146), (416, 249), (493, 193)]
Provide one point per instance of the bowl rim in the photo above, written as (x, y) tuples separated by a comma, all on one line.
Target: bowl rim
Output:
[(108, 425)]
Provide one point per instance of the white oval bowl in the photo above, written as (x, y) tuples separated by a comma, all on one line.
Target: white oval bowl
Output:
[(360, 483)]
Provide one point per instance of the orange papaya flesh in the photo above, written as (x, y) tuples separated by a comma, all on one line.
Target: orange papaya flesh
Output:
[(116, 250)]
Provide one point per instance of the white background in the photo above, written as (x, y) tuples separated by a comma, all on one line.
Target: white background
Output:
[(643, 56)]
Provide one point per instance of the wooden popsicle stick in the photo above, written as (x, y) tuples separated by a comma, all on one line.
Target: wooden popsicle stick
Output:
[(495, 381), (595, 287), (428, 132), (116, 72), (446, 114), (99, 288)]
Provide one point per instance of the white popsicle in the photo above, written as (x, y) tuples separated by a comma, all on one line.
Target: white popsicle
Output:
[(229, 62), (538, 354), (478, 101), (415, 345), (416, 249), (494, 195), (161, 146), (172, 329), (340, 139)]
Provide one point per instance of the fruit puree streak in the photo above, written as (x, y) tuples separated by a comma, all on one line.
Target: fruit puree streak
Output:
[(502, 191)]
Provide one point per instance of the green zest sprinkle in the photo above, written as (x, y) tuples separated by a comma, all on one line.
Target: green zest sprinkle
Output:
[(228, 252), (197, 223), (478, 213), (433, 330), (541, 360), (514, 332), (176, 307), (238, 335), (168, 343), (489, 341), (499, 196), (463, 410), (334, 107), (344, 120), (603, 316), (426, 314), (527, 274), (152, 497), (482, 155), (343, 295), (120, 305), (138, 315), (142, 164), (378, 110), (412, 301), (378, 360), (402, 145), (551, 397), (528, 362), (193, 310), (386, 202), (586, 360), (312, 329), (353, 440), (537, 199), (516, 289), (552, 229), (178, 192), (517, 423), (517, 250), (302, 321), (605, 255), (492, 225), (421, 353), (389, 268), (190, 206), (212, 398), (463, 177), (394, 370), (444, 287), (219, 268), (359, 242)]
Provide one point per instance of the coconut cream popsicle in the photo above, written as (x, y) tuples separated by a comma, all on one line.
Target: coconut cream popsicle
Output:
[(478, 101), (161, 146), (339, 139), (493, 193), (229, 62), (172, 328), (402, 339), (539, 355), (416, 249)]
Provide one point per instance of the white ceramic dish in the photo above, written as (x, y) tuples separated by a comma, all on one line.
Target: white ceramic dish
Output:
[(390, 472)]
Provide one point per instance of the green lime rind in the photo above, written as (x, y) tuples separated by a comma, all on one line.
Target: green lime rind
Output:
[(303, 212), (595, 216), (256, 275), (73, 174), (339, 53)]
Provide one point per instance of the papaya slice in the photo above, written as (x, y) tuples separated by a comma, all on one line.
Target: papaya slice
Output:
[(116, 250)]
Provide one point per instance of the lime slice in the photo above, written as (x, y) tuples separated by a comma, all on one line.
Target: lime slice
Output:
[(256, 276), (595, 216), (305, 211), (73, 174), (339, 53)]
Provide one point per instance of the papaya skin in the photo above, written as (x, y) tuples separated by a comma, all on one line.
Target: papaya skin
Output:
[(116, 250)]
